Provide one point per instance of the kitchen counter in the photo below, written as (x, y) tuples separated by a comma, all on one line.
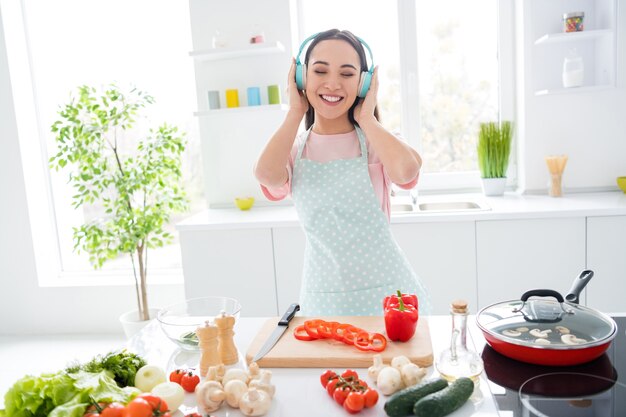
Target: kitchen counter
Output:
[(298, 391), (509, 206)]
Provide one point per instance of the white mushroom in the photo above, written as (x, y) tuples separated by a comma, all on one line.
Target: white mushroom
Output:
[(253, 371), (255, 402), (511, 333), (215, 373), (399, 361), (389, 380), (373, 370), (209, 396), (562, 330), (570, 339), (522, 329), (264, 383), (412, 374), (234, 389), (541, 341), (235, 373), (540, 333)]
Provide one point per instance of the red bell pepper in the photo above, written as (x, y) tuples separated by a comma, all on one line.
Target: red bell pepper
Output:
[(400, 316)]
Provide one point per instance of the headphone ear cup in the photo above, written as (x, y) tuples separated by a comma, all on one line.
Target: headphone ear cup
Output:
[(301, 76), (364, 84)]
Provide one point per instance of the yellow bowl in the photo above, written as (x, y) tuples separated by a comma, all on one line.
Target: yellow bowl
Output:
[(244, 203), (621, 182)]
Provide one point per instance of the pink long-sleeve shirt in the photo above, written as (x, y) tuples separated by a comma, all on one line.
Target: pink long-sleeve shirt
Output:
[(324, 148)]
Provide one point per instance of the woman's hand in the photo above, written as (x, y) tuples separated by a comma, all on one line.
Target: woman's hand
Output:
[(297, 100), (364, 111)]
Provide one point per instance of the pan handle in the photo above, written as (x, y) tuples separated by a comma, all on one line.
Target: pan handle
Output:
[(580, 282), (542, 293)]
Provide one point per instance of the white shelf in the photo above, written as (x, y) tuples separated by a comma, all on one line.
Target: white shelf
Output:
[(572, 36), (245, 109), (589, 89), (254, 49)]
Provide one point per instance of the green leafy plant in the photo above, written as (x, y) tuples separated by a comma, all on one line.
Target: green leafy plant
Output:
[(494, 147), (136, 182)]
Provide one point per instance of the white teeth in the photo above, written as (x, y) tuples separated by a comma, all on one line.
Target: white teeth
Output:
[(332, 99)]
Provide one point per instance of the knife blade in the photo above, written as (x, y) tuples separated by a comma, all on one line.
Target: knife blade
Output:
[(282, 325)]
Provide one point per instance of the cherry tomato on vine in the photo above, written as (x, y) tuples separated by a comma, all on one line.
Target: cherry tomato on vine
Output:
[(114, 410), (327, 376), (177, 375), (157, 403), (189, 381), (139, 408), (354, 402)]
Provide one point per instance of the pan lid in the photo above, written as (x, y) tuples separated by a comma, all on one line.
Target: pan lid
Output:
[(546, 323)]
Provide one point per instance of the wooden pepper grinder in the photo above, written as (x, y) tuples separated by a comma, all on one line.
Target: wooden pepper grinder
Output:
[(226, 345), (207, 338)]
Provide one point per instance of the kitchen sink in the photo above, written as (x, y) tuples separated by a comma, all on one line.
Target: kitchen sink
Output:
[(439, 207)]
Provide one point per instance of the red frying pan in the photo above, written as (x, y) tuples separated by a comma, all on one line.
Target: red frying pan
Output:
[(543, 331)]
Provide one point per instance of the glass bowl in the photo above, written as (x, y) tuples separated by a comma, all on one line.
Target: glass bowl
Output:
[(180, 321)]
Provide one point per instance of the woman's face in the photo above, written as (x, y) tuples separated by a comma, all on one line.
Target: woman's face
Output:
[(332, 78)]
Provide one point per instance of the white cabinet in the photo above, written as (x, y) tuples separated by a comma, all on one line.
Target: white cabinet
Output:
[(606, 256), (443, 255), (514, 256), (234, 263), (550, 45), (289, 245)]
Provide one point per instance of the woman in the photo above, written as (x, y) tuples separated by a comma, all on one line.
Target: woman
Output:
[(339, 174)]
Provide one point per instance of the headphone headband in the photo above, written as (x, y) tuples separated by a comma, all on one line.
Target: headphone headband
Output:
[(310, 38)]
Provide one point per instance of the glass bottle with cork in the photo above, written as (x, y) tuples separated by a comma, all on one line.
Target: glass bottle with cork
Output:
[(458, 360)]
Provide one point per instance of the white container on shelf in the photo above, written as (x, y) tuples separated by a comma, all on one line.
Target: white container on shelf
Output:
[(573, 71)]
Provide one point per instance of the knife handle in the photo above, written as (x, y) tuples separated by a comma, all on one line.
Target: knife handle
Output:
[(291, 311)]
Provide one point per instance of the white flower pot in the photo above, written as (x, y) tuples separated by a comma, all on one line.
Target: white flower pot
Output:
[(493, 186), (131, 323)]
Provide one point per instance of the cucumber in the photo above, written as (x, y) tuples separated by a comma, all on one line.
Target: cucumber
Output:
[(447, 400), (401, 403)]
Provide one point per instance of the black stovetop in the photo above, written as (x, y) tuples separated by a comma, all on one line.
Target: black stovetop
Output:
[(595, 389)]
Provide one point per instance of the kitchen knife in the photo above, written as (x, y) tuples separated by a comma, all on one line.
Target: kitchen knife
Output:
[(283, 323)]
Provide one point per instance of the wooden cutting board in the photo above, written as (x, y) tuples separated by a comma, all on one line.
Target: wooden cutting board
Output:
[(289, 352)]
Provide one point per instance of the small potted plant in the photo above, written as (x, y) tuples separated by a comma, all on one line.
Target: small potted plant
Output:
[(134, 183), (494, 147)]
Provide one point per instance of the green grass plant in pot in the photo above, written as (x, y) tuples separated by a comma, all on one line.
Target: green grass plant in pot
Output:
[(494, 148), (133, 179)]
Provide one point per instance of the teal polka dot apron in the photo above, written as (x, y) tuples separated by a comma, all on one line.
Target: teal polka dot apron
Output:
[(351, 260)]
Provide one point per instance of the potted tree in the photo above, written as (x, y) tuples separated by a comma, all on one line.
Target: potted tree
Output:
[(133, 183), (494, 147)]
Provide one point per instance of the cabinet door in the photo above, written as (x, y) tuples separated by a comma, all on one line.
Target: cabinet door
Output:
[(444, 258), (231, 263), (514, 256), (606, 256), (288, 257)]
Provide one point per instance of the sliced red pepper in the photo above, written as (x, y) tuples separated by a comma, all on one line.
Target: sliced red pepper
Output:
[(325, 329), (375, 342), (301, 334), (310, 326)]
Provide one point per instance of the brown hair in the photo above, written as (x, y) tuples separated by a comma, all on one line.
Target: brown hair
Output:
[(349, 37)]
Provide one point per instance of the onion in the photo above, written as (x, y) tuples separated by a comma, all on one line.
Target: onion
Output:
[(172, 393)]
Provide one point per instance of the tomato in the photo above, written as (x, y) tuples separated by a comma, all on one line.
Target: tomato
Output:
[(189, 381), (371, 397), (340, 394), (157, 403), (355, 401), (350, 375), (193, 415), (177, 375), (139, 408), (326, 376), (114, 410), (301, 334), (331, 386)]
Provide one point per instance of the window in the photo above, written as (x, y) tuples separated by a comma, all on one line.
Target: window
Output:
[(441, 72), (142, 43)]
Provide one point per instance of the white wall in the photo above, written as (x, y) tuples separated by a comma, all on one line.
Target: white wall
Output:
[(588, 127)]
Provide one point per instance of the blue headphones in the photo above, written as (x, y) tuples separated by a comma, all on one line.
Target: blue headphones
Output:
[(366, 76)]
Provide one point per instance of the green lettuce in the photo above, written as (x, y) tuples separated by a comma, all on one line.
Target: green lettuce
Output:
[(62, 394)]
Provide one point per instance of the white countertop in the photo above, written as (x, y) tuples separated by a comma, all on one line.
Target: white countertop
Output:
[(509, 206), (298, 390)]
